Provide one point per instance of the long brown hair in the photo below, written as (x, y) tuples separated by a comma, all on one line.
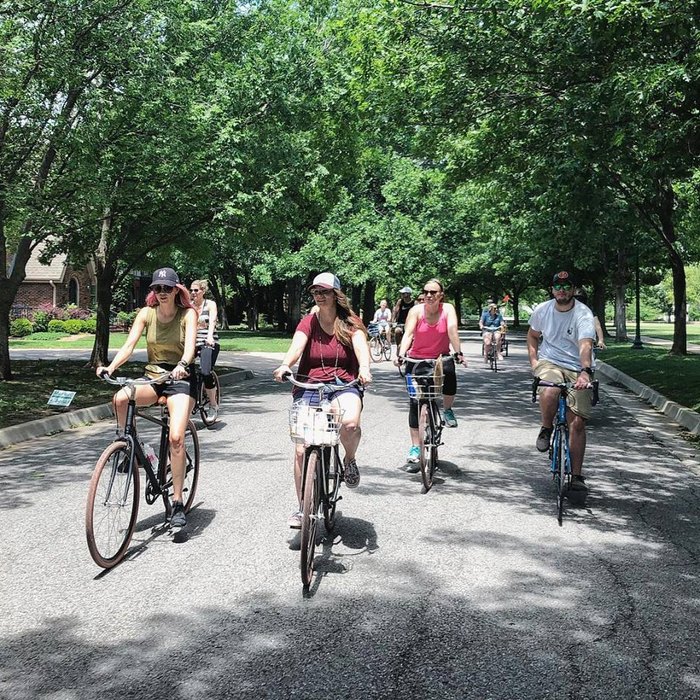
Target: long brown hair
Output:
[(346, 320)]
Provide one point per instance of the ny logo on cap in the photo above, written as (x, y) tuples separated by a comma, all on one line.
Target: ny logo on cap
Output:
[(162, 273)]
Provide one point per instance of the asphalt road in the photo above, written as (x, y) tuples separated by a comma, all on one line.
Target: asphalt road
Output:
[(469, 591)]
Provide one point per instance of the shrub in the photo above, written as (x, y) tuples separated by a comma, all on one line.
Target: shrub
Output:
[(21, 327), (40, 321), (56, 326), (73, 326), (75, 312), (89, 326)]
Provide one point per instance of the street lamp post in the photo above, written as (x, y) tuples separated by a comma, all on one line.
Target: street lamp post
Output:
[(637, 344)]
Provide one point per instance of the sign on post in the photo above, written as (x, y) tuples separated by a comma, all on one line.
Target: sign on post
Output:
[(60, 398)]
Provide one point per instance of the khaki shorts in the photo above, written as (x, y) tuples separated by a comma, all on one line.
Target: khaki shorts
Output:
[(578, 400)]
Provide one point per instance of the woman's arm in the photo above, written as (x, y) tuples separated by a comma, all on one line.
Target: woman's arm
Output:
[(361, 347), (293, 353), (453, 332), (188, 353), (213, 316), (126, 350)]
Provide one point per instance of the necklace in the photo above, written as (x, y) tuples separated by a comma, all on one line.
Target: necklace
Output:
[(320, 349)]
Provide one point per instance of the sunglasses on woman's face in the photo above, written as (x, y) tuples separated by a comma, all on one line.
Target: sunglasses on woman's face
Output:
[(321, 292), (162, 288), (195, 291), (431, 292)]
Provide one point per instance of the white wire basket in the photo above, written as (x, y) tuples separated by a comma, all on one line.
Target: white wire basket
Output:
[(425, 386), (314, 425)]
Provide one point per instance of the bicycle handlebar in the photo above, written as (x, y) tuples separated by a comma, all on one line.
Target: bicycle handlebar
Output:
[(316, 386), (137, 381), (402, 359), (537, 382)]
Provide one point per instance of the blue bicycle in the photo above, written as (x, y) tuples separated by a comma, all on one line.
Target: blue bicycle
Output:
[(559, 454)]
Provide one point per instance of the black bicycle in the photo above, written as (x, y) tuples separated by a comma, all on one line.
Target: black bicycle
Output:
[(559, 454), (424, 379), (318, 428), (379, 344), (113, 495)]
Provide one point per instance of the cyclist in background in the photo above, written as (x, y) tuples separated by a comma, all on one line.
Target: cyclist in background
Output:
[(382, 317), (401, 308), (430, 330), (490, 324), (564, 355), (331, 346), (581, 296), (207, 338)]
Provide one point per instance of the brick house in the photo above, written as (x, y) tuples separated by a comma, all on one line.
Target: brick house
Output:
[(55, 284)]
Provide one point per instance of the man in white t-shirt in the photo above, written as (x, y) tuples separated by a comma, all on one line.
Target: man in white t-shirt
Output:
[(382, 317), (565, 354)]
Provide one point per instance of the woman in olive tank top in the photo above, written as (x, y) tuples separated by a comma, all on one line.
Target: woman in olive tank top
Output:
[(170, 323)]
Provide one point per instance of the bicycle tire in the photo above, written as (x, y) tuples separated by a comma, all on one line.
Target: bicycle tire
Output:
[(309, 518), (375, 348), (505, 347), (560, 474), (425, 437), (207, 414), (386, 349), (332, 484), (189, 487), (112, 506)]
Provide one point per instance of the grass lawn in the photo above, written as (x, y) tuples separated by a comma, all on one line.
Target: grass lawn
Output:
[(665, 330), (237, 341), (677, 378)]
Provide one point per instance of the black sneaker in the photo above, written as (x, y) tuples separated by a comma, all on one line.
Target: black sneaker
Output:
[(542, 443), (177, 517), (352, 475), (578, 491)]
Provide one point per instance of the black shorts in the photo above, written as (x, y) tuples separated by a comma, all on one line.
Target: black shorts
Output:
[(180, 386)]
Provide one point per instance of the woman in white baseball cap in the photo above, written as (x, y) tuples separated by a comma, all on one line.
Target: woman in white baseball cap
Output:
[(331, 346)]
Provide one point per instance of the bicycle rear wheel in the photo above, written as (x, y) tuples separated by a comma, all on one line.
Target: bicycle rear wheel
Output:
[(386, 349), (112, 505), (189, 488), (375, 348), (206, 411), (332, 484), (428, 451), (309, 518)]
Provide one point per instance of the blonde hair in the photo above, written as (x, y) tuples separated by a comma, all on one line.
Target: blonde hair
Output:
[(204, 285)]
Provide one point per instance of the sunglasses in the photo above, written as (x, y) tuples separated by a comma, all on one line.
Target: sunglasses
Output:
[(195, 291), (162, 288), (562, 287), (431, 292), (321, 292)]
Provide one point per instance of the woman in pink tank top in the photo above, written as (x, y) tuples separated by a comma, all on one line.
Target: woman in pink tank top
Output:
[(431, 328)]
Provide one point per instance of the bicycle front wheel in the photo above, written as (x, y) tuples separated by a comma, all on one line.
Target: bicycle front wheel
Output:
[(386, 349), (112, 505), (309, 518), (375, 348), (207, 412), (561, 477), (427, 448), (189, 488), (332, 484)]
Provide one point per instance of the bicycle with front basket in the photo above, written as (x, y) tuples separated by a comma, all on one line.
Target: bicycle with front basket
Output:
[(424, 379), (113, 495), (559, 453), (379, 344), (318, 427)]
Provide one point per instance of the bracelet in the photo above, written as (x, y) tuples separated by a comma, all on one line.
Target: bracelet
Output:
[(182, 363)]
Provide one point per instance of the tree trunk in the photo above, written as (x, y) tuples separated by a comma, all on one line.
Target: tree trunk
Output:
[(368, 303), (103, 297), (621, 279), (598, 303), (515, 301)]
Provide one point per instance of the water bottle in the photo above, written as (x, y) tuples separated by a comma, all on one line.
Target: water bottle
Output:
[(151, 455)]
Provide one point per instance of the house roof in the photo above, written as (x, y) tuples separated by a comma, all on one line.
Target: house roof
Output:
[(36, 272)]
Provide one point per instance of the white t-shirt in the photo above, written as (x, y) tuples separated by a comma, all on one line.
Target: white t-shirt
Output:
[(382, 316), (562, 331)]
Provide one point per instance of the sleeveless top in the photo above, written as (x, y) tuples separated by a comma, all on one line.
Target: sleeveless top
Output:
[(165, 342), (203, 326), (430, 341), (403, 311), (325, 358)]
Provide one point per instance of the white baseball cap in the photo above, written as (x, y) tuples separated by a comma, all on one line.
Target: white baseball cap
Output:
[(406, 290), (326, 280)]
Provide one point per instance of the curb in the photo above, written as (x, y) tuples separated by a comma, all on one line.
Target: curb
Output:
[(686, 417), (81, 417)]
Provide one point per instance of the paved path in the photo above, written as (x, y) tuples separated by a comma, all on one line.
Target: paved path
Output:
[(470, 591)]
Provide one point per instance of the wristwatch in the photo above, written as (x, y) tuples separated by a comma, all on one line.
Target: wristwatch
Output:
[(588, 370)]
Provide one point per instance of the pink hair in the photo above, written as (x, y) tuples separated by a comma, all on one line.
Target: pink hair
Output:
[(182, 298)]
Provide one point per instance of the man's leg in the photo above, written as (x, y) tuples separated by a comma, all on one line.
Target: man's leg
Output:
[(577, 441)]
